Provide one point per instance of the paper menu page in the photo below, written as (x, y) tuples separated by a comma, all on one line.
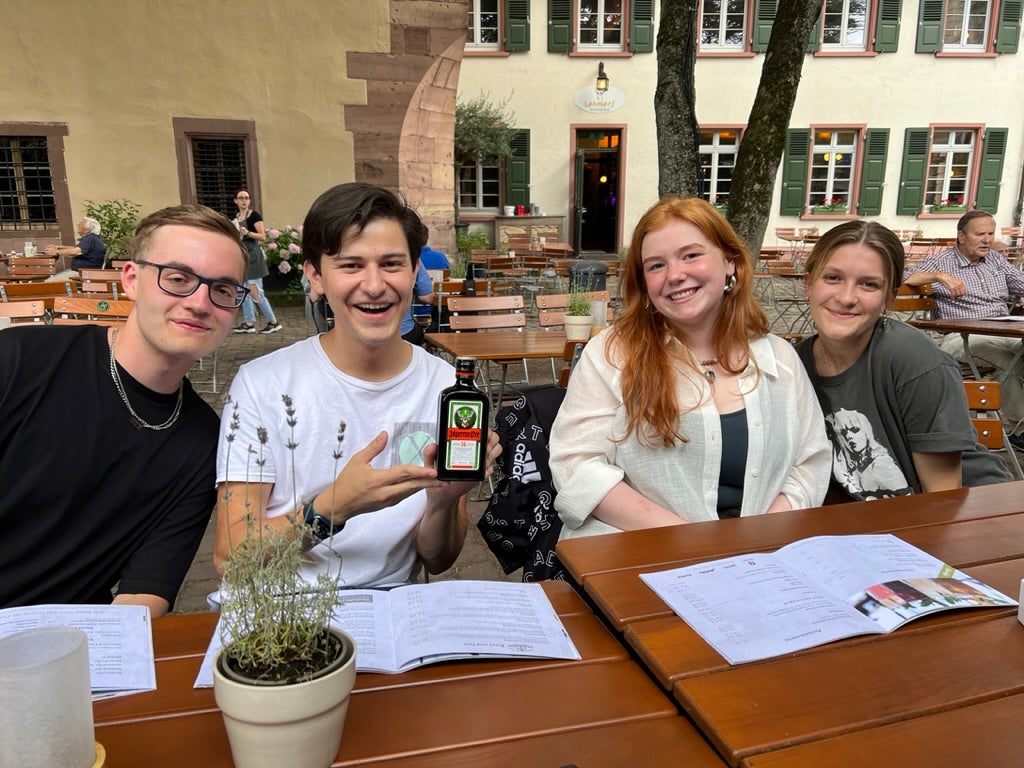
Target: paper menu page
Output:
[(751, 607), (120, 640), (845, 566), (812, 592), (446, 618)]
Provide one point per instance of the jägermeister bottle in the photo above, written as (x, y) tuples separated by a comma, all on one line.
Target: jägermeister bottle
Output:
[(463, 417)]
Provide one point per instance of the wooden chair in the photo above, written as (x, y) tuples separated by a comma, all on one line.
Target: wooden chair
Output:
[(984, 402), (913, 302), (84, 311), (44, 291), (571, 355), (106, 281), (551, 307), (484, 313), (30, 312), (1013, 235), (31, 268)]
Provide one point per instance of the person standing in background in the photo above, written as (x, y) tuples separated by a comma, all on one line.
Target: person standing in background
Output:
[(89, 252), (250, 226)]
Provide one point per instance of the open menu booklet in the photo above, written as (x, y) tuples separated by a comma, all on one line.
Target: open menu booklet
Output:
[(420, 624), (120, 641), (814, 591)]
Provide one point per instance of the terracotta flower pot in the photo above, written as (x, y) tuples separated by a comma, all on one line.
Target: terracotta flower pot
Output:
[(296, 724)]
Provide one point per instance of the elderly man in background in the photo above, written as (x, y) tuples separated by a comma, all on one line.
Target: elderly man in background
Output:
[(974, 281), (89, 252)]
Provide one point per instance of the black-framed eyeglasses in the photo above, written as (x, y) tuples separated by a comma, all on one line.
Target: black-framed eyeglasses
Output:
[(179, 281)]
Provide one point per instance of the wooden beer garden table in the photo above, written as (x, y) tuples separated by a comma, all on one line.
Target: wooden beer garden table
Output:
[(1013, 329), (602, 711), (499, 345), (944, 690)]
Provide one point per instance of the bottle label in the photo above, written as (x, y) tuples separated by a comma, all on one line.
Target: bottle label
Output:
[(464, 433)]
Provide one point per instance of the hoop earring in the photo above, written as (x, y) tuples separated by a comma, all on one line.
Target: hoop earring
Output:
[(730, 283)]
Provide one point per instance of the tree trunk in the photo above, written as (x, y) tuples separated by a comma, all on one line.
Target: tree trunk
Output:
[(764, 139), (675, 100)]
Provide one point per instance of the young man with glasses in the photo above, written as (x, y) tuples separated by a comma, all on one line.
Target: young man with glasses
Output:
[(106, 452)]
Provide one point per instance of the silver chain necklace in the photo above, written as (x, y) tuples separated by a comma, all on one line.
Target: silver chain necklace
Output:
[(137, 421)]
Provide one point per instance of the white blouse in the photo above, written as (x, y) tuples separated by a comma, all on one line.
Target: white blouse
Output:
[(788, 451)]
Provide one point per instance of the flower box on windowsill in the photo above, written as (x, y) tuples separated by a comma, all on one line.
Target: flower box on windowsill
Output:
[(946, 210), (829, 210)]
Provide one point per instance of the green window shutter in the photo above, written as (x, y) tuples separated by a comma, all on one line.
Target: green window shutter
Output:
[(887, 27), (912, 175), (517, 25), (814, 41), (991, 175), (794, 172), (517, 170), (559, 26), (1008, 32), (764, 17), (872, 172), (641, 26), (929, 26)]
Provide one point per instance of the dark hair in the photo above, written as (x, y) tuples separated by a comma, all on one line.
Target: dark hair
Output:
[(356, 204), (872, 234), (198, 216), (967, 218)]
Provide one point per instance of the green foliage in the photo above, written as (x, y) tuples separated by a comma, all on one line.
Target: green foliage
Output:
[(272, 621), (467, 242), (117, 220), (283, 248), (579, 304), (483, 131)]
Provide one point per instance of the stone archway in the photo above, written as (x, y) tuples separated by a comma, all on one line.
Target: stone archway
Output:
[(402, 136)]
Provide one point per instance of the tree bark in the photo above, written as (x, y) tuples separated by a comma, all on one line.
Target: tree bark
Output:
[(675, 100), (764, 139)]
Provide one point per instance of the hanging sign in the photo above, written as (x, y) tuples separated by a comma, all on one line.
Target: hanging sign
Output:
[(589, 100)]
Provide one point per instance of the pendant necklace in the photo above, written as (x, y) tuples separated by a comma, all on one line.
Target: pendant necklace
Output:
[(137, 421), (707, 365)]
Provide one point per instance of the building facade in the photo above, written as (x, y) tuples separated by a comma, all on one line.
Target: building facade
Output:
[(162, 103), (907, 111)]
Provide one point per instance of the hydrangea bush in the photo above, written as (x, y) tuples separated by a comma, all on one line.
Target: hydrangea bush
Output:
[(284, 249)]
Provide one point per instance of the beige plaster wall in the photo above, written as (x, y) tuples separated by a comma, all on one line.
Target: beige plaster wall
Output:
[(117, 72)]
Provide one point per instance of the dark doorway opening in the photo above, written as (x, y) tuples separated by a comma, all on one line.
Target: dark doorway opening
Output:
[(598, 191)]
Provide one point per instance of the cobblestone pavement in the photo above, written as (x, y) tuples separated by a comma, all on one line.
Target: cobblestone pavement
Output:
[(475, 562)]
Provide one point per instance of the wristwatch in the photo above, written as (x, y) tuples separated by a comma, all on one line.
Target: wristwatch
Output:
[(320, 527)]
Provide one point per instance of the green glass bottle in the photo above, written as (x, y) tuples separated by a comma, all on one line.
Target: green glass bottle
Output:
[(462, 420)]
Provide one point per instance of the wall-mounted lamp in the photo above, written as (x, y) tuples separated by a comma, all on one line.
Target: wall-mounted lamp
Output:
[(602, 79)]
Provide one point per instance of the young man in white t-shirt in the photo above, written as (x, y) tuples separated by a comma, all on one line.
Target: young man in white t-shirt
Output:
[(339, 429)]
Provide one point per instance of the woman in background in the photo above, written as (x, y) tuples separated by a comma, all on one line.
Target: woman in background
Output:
[(894, 403), (686, 409), (250, 227)]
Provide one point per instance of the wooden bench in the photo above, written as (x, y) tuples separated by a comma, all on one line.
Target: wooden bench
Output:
[(86, 311)]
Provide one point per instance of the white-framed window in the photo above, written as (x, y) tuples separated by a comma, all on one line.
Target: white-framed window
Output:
[(718, 148), (833, 167), (723, 25), (599, 25), (483, 33), (480, 187), (844, 25), (950, 166), (966, 25)]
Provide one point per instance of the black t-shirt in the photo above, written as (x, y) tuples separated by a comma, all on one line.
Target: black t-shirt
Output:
[(86, 499)]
